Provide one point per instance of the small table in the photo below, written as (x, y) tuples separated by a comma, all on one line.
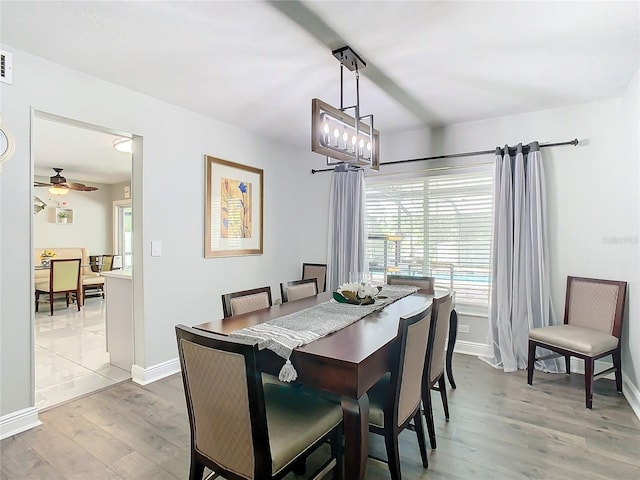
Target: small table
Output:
[(346, 363)]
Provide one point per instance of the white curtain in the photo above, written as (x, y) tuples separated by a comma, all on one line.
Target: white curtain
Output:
[(346, 249), (520, 295)]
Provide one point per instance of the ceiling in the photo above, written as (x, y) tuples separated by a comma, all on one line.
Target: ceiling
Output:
[(259, 64)]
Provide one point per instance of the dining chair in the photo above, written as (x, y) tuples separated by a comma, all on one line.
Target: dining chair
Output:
[(394, 401), (427, 284), (246, 301), (297, 289), (591, 330), (93, 282), (317, 271), (64, 277), (434, 372), (107, 263), (241, 428)]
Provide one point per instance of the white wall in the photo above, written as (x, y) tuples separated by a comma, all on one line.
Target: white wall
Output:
[(92, 224), (631, 152), (181, 286)]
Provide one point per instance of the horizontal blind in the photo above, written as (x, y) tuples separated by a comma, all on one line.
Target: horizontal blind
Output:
[(438, 226)]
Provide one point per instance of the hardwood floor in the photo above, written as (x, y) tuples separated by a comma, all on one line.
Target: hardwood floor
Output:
[(500, 428)]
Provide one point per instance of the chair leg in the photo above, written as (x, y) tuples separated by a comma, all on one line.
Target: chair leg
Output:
[(422, 444), (442, 386), (337, 451), (51, 303), (428, 415), (66, 297), (78, 298), (531, 363), (567, 364), (393, 454), (37, 301), (588, 380), (196, 470), (617, 363), (300, 466)]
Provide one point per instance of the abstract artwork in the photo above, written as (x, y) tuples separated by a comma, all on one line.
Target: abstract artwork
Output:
[(233, 206)]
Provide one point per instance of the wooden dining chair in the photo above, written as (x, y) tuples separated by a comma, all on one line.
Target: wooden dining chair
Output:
[(297, 289), (592, 329), (394, 401), (64, 277), (317, 271), (246, 301), (241, 428), (434, 372)]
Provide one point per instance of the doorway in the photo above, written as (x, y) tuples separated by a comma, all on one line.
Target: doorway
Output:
[(70, 352)]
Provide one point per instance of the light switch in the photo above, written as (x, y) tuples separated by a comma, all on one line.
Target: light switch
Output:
[(156, 248)]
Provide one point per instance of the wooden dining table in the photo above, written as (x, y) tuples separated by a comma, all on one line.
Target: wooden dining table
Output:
[(346, 363)]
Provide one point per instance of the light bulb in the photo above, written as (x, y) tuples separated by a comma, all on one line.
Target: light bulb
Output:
[(325, 128), (361, 143), (336, 134)]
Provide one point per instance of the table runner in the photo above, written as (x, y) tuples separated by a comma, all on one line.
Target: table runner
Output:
[(282, 335)]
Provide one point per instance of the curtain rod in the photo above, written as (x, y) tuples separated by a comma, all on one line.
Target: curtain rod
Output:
[(573, 142)]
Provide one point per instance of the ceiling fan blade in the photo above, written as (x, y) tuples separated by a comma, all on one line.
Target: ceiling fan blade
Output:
[(81, 187), (41, 184)]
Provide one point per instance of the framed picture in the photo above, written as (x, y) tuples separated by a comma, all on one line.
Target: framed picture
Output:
[(233, 209)]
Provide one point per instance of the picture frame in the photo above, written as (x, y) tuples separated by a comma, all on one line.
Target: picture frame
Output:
[(233, 209)]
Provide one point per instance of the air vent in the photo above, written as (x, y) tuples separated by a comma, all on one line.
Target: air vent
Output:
[(6, 67)]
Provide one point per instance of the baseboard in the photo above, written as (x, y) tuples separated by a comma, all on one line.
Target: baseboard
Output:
[(472, 348), (631, 393), (17, 422), (144, 376)]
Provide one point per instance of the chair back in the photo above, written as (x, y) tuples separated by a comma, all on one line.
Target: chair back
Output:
[(107, 263), (595, 304), (440, 313), (64, 275), (413, 335), (423, 283), (246, 301), (297, 289), (225, 400), (317, 271)]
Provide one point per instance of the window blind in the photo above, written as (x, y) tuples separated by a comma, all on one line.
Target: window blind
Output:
[(437, 226)]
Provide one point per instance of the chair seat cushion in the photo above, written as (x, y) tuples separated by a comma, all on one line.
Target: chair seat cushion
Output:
[(92, 280), (296, 419), (42, 285), (576, 339), (378, 395)]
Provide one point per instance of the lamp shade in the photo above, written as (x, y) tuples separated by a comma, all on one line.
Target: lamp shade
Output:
[(57, 190)]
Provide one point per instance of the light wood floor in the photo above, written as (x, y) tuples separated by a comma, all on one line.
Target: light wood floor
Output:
[(500, 428)]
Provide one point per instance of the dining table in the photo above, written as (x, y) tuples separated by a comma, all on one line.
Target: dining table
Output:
[(345, 363)]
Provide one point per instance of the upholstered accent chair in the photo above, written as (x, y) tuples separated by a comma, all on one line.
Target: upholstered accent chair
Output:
[(317, 271), (394, 401), (434, 363), (246, 301), (297, 289), (592, 328), (242, 429), (64, 277), (423, 283)]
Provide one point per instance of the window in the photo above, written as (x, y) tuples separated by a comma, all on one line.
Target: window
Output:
[(438, 225)]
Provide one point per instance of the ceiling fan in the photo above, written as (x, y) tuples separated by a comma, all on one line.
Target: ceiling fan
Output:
[(61, 187)]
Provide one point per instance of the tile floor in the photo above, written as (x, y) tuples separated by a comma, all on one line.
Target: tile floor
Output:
[(70, 352)]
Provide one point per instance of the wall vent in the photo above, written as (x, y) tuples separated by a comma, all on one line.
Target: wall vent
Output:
[(6, 67)]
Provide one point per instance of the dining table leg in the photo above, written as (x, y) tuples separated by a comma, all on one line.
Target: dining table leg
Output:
[(355, 413)]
